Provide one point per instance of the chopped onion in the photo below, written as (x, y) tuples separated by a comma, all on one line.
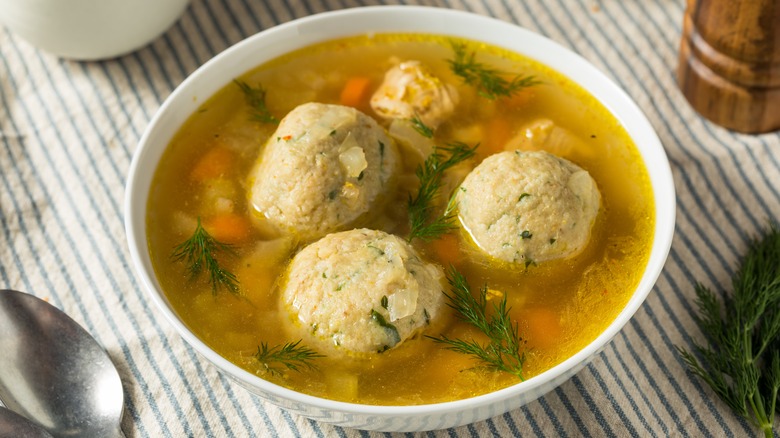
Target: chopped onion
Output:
[(352, 157), (404, 133), (402, 303)]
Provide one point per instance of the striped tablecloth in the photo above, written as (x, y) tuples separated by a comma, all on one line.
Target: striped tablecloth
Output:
[(68, 131)]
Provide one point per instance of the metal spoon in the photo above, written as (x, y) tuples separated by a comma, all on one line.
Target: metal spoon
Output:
[(54, 372), (14, 425)]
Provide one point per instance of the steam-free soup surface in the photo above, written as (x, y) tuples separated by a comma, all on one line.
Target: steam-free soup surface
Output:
[(560, 306)]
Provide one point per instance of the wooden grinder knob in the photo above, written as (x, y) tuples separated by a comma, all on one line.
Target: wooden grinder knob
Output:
[(729, 65)]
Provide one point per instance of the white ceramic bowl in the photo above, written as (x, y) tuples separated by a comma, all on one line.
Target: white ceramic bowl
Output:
[(279, 40)]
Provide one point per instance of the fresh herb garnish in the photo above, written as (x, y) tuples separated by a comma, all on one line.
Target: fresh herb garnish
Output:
[(421, 207), (198, 252), (291, 355), (421, 128), (255, 98), (390, 329), (489, 82), (504, 350), (741, 362), (523, 195)]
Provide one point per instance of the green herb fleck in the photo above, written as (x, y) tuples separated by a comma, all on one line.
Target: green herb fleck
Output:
[(255, 98), (421, 127), (526, 234), (198, 252), (524, 195), (504, 350), (489, 82), (383, 302), (422, 206), (390, 329), (291, 355), (379, 250)]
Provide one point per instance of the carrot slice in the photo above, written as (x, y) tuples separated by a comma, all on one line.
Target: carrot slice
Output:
[(229, 228), (354, 92), (213, 164)]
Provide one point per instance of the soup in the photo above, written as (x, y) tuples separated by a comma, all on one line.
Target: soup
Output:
[(208, 172)]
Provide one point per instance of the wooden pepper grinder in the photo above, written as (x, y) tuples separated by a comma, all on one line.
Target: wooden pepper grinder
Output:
[(729, 65)]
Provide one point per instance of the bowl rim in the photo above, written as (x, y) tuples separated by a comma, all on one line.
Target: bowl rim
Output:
[(589, 78)]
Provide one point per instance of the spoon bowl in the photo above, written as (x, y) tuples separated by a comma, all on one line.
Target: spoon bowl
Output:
[(54, 372)]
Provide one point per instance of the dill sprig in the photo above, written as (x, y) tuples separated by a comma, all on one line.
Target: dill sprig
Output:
[(741, 362), (420, 126), (504, 351), (490, 83), (291, 355), (421, 207), (198, 253), (255, 98)]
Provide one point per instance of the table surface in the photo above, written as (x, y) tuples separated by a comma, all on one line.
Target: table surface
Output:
[(68, 131)]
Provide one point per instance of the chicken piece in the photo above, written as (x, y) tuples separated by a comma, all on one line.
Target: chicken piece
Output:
[(409, 89), (545, 135)]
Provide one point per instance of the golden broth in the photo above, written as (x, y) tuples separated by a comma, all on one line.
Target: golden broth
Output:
[(560, 306)]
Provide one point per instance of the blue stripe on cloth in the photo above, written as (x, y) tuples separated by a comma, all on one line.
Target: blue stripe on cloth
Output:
[(4, 218), (605, 427), (707, 400), (99, 97), (640, 363), (648, 405), (260, 407), (117, 174), (513, 427), (628, 396), (573, 414), (610, 397), (242, 415), (662, 366), (559, 430)]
